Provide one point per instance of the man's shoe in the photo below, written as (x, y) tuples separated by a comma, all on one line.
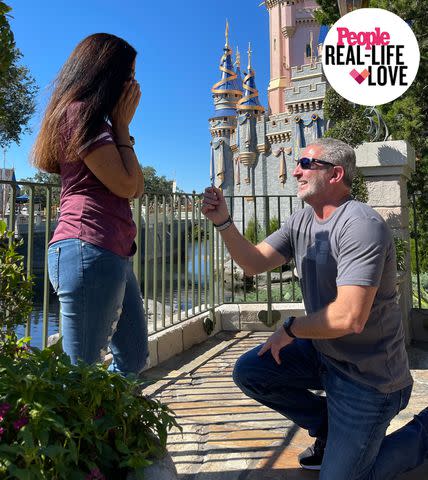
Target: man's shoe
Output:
[(311, 458)]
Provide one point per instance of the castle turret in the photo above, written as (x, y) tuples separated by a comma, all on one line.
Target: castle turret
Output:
[(249, 111), (237, 65), (253, 151), (291, 23), (226, 93)]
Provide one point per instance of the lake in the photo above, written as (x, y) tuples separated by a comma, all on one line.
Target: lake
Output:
[(53, 316)]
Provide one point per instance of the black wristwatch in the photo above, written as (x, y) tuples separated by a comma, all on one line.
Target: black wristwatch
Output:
[(287, 326)]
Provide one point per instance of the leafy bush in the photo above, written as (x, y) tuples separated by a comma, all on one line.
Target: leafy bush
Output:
[(423, 284), (359, 188), (254, 233), (15, 287), (63, 421), (419, 232), (346, 120), (273, 225), (401, 248)]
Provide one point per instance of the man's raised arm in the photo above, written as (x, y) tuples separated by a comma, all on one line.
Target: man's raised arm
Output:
[(253, 259)]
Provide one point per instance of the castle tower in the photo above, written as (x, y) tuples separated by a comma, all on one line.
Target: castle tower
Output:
[(237, 66), (249, 112), (291, 25), (252, 154), (226, 94)]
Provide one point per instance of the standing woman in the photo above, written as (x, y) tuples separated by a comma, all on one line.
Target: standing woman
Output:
[(85, 138)]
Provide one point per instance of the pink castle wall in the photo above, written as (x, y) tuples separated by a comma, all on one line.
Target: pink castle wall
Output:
[(289, 36)]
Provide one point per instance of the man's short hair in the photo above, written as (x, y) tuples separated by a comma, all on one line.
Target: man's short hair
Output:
[(339, 153)]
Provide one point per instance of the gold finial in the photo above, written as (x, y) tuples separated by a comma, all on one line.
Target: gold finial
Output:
[(226, 34), (249, 56), (238, 58)]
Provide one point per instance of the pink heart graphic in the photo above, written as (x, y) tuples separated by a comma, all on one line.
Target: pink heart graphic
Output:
[(359, 77)]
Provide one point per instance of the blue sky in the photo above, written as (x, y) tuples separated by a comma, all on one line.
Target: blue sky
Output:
[(179, 45)]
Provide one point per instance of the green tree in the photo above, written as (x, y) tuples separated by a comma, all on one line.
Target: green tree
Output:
[(7, 42), (154, 184), (17, 86), (406, 116), (40, 192), (15, 288), (254, 232), (347, 123)]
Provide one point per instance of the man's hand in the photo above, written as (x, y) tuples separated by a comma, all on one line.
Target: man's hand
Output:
[(275, 342), (214, 206)]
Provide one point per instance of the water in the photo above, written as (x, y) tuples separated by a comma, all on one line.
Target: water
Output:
[(36, 326), (36, 332)]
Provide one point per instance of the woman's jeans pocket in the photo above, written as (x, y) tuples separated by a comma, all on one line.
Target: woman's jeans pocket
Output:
[(54, 253)]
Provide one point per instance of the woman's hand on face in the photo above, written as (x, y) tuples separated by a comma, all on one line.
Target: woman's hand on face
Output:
[(127, 104)]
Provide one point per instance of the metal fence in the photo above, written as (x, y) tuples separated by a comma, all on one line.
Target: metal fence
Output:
[(181, 262)]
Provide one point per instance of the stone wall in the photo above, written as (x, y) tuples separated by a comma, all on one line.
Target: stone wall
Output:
[(387, 166)]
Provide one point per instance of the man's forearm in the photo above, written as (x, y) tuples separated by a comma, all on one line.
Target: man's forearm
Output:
[(339, 318), (243, 252), (330, 322)]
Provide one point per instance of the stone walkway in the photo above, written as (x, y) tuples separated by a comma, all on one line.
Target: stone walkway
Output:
[(227, 436)]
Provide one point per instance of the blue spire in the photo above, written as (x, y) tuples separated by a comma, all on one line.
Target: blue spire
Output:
[(228, 90), (250, 100), (238, 69)]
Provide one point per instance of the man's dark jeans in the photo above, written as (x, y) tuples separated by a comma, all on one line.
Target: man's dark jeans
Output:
[(352, 417)]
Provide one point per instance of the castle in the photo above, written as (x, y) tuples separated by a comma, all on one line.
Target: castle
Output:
[(253, 150)]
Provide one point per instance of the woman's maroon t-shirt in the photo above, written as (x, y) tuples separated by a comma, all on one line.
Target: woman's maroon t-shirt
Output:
[(89, 210)]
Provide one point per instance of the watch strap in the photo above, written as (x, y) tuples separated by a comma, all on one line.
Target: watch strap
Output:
[(287, 326)]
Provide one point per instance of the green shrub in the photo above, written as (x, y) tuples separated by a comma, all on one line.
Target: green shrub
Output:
[(421, 230), (347, 123), (423, 284), (15, 287), (401, 249), (273, 225), (63, 421), (253, 233), (359, 188), (60, 421)]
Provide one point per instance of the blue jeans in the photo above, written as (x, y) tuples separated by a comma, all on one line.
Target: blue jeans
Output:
[(101, 305), (352, 417)]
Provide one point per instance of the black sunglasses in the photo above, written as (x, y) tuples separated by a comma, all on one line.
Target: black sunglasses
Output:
[(306, 163)]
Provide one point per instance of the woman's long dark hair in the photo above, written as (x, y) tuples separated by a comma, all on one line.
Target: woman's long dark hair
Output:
[(95, 74)]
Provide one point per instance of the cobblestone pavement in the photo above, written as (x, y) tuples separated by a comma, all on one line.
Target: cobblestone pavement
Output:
[(226, 435)]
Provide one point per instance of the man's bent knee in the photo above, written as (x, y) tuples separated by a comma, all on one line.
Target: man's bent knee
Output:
[(245, 375)]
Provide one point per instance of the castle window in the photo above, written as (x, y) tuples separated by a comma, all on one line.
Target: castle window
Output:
[(274, 43), (308, 50)]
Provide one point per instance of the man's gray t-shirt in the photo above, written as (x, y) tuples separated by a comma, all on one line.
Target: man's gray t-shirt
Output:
[(354, 246)]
